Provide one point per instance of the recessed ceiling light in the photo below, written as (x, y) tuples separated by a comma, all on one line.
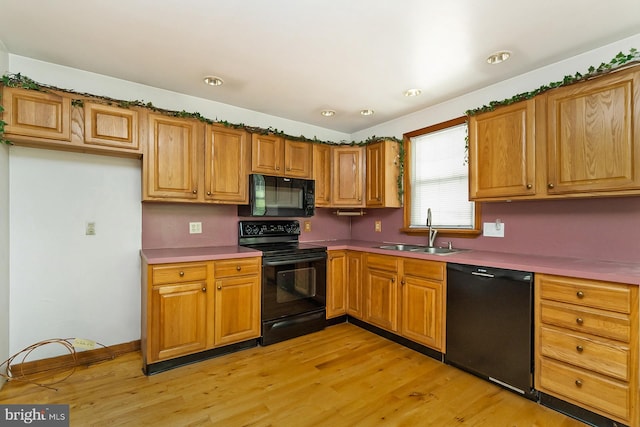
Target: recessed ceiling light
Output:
[(412, 92), (213, 81), (367, 112), (499, 57), (328, 113)]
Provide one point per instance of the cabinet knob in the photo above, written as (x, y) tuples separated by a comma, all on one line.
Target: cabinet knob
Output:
[(204, 289), (288, 169), (195, 191), (238, 268), (181, 274), (378, 198), (529, 186), (580, 294), (550, 185), (277, 168), (219, 287), (208, 193), (579, 348), (393, 280), (579, 321), (402, 282), (578, 383)]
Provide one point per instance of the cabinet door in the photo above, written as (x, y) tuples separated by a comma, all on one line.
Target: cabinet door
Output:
[(178, 320), (355, 296), (502, 152), (422, 313), (374, 187), (336, 284), (36, 114), (172, 168), (381, 307), (109, 126), (298, 158), (348, 177), (322, 173), (226, 165), (237, 309), (594, 135), (267, 155)]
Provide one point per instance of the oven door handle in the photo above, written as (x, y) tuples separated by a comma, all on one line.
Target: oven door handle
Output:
[(297, 259)]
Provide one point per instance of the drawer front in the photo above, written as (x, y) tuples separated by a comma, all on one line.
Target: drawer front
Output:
[(591, 321), (236, 267), (587, 293), (585, 352), (427, 269), (178, 273), (382, 262), (605, 395)]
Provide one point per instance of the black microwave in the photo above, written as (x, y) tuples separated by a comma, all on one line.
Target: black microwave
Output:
[(279, 196)]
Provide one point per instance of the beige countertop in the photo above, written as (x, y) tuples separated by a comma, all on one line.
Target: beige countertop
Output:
[(588, 269)]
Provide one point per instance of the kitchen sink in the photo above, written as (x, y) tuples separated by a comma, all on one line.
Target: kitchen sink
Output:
[(419, 248)]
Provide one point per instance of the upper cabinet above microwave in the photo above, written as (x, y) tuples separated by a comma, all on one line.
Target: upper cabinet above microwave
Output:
[(581, 140), (274, 155)]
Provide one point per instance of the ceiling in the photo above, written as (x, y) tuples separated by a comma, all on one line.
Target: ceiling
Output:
[(294, 58)]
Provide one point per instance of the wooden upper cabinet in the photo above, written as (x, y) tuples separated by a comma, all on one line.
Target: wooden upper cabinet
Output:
[(171, 159), (29, 113), (322, 174), (594, 135), (382, 174), (109, 126), (298, 159), (348, 177), (273, 155), (226, 160), (502, 152)]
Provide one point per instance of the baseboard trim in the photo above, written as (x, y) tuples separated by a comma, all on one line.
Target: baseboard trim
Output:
[(67, 361)]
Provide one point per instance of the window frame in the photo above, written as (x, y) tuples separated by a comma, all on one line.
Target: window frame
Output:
[(417, 231)]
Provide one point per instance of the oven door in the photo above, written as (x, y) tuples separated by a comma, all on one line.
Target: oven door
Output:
[(293, 284)]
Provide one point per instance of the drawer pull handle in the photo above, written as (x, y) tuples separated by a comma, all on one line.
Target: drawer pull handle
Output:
[(578, 383), (580, 294), (181, 274), (579, 321), (238, 268), (579, 348)]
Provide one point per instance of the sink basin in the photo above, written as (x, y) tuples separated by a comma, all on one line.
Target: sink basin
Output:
[(438, 251), (419, 248), (402, 247)]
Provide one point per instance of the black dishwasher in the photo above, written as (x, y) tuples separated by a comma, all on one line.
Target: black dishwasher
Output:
[(489, 325)]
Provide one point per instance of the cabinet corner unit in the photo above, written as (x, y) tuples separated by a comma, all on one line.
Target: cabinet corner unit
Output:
[(194, 310)]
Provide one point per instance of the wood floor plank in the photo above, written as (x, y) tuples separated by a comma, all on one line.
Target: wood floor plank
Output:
[(342, 376)]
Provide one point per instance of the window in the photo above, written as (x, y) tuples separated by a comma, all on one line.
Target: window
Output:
[(437, 177)]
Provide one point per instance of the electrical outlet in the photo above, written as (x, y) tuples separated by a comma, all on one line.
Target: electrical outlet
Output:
[(307, 226), (195, 228), (90, 229), (378, 226), (84, 343), (493, 229)]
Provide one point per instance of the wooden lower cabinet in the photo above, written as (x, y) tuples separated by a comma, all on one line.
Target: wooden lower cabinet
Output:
[(586, 345), (405, 296), (194, 306), (355, 295), (337, 276)]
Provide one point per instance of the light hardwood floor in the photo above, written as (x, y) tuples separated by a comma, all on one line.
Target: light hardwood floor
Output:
[(342, 376)]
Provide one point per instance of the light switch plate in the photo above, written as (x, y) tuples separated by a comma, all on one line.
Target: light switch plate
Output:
[(195, 228), (492, 229)]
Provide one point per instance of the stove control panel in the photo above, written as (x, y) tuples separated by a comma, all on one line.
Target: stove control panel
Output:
[(269, 228)]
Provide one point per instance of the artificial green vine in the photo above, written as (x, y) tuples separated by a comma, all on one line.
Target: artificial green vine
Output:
[(619, 60)]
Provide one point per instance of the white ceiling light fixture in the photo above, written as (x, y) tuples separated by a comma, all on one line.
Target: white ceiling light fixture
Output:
[(498, 57), (213, 81), (412, 92), (367, 112), (328, 113)]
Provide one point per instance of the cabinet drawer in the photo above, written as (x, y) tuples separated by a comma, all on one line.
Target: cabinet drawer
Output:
[(177, 273), (588, 293), (426, 269), (603, 394), (585, 352), (236, 267), (597, 322), (383, 262)]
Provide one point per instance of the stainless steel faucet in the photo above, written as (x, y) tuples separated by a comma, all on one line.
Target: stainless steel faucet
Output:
[(432, 232)]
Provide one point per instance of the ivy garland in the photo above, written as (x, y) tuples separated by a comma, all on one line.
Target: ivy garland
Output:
[(618, 61)]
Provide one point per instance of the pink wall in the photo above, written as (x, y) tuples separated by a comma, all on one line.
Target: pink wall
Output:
[(604, 229), (166, 225)]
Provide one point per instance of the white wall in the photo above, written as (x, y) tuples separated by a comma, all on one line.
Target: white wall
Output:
[(497, 92), (63, 282), (4, 234)]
